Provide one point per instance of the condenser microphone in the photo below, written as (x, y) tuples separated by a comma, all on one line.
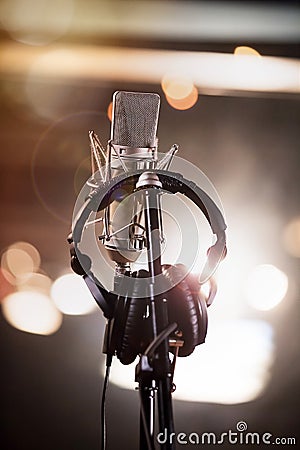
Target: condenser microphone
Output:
[(132, 146), (134, 125)]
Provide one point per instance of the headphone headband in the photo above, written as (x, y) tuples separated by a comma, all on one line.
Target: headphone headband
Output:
[(172, 182)]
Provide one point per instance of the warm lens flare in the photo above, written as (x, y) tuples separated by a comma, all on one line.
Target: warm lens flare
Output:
[(184, 103), (244, 50), (83, 172), (266, 287)]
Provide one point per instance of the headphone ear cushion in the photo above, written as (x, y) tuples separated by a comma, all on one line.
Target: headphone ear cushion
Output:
[(130, 340), (186, 308), (132, 330)]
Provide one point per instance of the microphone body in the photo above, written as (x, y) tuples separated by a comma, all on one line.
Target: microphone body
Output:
[(132, 146)]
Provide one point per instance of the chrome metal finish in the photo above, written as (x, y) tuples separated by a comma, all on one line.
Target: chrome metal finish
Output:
[(148, 179)]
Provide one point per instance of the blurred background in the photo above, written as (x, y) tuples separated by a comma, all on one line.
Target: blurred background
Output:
[(228, 76)]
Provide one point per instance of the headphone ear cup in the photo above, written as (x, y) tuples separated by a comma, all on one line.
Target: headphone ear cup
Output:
[(202, 306), (203, 319), (132, 326), (186, 308)]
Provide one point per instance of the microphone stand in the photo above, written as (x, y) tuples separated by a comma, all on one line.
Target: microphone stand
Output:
[(155, 374)]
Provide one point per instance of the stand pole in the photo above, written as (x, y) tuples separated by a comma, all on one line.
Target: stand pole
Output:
[(159, 315)]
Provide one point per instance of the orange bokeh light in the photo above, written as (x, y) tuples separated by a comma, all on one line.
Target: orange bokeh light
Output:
[(6, 287), (177, 87), (244, 50), (109, 111), (184, 103)]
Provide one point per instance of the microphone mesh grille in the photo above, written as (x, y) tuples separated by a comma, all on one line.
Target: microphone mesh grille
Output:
[(135, 119)]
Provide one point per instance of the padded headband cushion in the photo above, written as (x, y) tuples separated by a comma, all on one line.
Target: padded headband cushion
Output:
[(185, 307), (172, 182)]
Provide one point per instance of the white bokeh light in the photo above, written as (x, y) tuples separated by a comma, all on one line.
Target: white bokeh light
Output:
[(32, 312), (71, 295), (232, 367), (266, 287), (36, 22)]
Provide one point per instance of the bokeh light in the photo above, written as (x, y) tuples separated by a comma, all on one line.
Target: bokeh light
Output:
[(72, 296), (177, 87), (244, 50), (291, 237), (6, 287), (184, 103), (236, 359), (20, 17), (180, 91), (266, 287), (19, 261), (36, 282), (109, 111), (32, 312)]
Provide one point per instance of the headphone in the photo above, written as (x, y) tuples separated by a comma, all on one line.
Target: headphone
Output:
[(128, 331)]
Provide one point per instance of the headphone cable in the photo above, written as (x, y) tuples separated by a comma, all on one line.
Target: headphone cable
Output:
[(159, 339), (103, 399)]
